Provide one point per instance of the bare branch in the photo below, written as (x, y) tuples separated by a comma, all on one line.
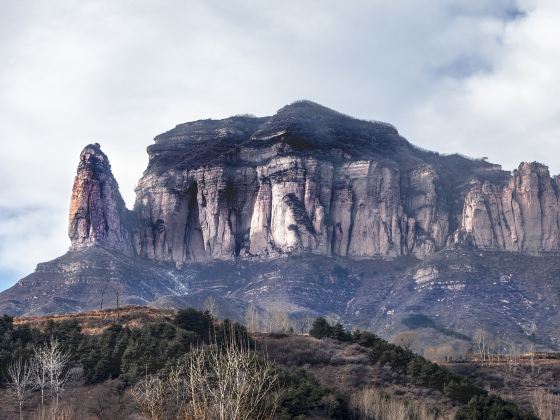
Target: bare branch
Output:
[(20, 382)]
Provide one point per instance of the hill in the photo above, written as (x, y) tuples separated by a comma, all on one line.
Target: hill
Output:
[(331, 374)]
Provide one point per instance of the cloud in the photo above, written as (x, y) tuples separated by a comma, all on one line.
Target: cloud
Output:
[(29, 236), (467, 76), (508, 113)]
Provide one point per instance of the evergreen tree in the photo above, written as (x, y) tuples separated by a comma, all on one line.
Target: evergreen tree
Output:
[(192, 320), (321, 328)]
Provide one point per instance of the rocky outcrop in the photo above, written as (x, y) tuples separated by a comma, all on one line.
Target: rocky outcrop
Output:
[(240, 193), (97, 210), (309, 180), (291, 204), (522, 215)]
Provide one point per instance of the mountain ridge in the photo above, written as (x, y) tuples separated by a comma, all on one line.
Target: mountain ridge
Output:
[(371, 222)]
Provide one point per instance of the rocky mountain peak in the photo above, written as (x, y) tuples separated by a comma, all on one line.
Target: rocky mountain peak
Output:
[(309, 180), (307, 127), (375, 228), (97, 210), (92, 155), (527, 167)]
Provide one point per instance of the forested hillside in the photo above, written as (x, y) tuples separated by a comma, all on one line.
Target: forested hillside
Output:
[(189, 365)]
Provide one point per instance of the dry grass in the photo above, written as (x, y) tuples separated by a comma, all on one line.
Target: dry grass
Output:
[(62, 411), (92, 402), (524, 383), (545, 404), (95, 322), (373, 404), (347, 368)]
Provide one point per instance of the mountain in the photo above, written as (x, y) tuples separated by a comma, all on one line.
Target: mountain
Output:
[(313, 212)]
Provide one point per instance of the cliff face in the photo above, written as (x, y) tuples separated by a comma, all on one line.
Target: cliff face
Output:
[(522, 215), (308, 180), (97, 210), (311, 183), (290, 204)]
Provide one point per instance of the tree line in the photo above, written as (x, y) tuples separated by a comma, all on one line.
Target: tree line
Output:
[(210, 368), (193, 366)]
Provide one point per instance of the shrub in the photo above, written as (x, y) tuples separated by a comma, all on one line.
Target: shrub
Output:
[(461, 392), (192, 320), (491, 407), (373, 404), (320, 328), (303, 395), (404, 361)]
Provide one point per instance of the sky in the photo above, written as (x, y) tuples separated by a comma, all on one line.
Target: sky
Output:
[(476, 77)]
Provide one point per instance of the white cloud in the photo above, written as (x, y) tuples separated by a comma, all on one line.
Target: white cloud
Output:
[(28, 236), (510, 113), (471, 76)]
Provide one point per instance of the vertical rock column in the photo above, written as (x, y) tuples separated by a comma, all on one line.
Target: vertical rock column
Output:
[(522, 215), (97, 210)]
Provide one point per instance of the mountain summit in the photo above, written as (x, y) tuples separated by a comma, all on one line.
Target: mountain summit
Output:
[(309, 180), (317, 212)]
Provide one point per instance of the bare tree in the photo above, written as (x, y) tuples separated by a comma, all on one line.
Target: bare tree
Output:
[(545, 404), (211, 306), (405, 339), (177, 388), (438, 353), (370, 403), (56, 362), (532, 347), (118, 289), (481, 341), (228, 381), (303, 324), (150, 395), (40, 371), (512, 357), (252, 319), (20, 382), (278, 320), (531, 353), (103, 290), (106, 402), (533, 330)]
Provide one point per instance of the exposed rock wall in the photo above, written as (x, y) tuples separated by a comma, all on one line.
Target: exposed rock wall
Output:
[(291, 204), (97, 210), (309, 180), (520, 216)]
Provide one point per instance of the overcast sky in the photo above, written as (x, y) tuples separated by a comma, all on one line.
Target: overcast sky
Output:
[(471, 76)]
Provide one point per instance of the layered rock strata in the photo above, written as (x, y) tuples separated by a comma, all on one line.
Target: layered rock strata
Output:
[(291, 204), (522, 215), (309, 180)]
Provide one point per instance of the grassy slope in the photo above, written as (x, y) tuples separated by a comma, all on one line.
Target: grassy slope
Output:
[(95, 322), (347, 368)]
